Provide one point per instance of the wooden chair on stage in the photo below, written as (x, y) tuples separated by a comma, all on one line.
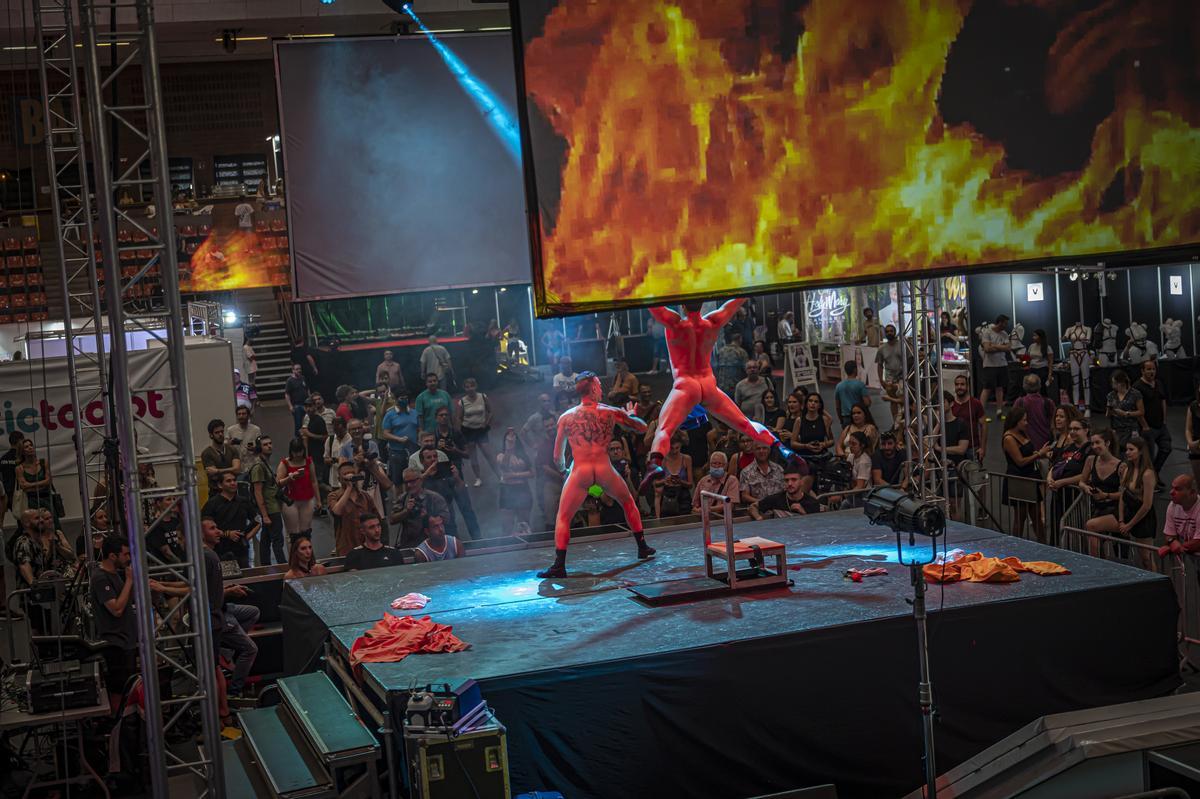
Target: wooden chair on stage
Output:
[(754, 549)]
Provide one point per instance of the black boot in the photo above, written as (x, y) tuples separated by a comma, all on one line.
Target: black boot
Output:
[(644, 549), (559, 569)]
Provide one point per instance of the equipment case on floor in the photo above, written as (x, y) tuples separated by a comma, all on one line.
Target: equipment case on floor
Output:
[(444, 767)]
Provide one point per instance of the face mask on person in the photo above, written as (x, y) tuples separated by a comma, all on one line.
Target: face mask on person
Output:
[(402, 402), (717, 472), (891, 337)]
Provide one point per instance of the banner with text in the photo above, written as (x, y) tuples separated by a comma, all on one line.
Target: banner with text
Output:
[(36, 400)]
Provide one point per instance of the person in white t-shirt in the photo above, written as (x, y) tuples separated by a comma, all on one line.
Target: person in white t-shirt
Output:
[(564, 380), (1182, 527), (249, 363)]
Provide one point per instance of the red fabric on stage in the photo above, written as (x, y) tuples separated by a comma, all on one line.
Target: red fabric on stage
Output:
[(394, 638)]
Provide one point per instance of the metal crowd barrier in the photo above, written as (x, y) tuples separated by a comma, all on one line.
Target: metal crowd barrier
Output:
[(985, 505), (1183, 571), (851, 497)]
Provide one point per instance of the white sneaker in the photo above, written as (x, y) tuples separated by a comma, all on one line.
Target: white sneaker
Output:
[(478, 482)]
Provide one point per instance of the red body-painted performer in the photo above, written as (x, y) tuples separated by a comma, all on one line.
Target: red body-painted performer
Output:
[(588, 428), (690, 341)]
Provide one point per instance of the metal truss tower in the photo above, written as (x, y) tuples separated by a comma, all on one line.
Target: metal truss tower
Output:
[(134, 250), (924, 416), (66, 160)]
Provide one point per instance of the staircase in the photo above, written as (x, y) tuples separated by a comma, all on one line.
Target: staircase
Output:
[(274, 354), (310, 745)]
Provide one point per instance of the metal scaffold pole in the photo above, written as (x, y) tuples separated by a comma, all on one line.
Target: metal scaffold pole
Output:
[(83, 321), (924, 414), (135, 249)]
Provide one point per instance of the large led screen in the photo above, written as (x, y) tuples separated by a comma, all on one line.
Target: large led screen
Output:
[(694, 147), (401, 170)]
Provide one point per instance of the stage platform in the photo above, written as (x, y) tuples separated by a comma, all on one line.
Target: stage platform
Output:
[(754, 693)]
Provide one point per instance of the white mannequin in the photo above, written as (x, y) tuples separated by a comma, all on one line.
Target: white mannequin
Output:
[(979, 336), (1079, 356), (1016, 341), (1172, 330), (1107, 355), (1140, 348)]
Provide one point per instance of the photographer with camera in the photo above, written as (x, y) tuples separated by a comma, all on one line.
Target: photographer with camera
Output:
[(445, 480), (361, 478), (413, 507)]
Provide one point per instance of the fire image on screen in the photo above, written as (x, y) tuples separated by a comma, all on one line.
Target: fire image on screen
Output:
[(700, 148), (396, 177)]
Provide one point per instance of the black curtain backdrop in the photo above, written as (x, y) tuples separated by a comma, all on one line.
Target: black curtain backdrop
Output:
[(1116, 305), (1033, 315), (1143, 291), (1178, 306)]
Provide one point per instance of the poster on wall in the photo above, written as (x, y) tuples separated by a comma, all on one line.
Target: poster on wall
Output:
[(693, 148)]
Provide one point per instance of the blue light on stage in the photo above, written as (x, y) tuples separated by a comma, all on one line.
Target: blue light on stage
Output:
[(501, 120)]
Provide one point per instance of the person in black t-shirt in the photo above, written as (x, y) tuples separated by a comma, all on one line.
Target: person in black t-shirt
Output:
[(372, 553), (111, 590), (794, 499), (888, 464), (8, 465), (295, 391), (164, 539), (1154, 405), (236, 519)]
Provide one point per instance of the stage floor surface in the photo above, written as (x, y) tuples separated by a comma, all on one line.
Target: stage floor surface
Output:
[(604, 695)]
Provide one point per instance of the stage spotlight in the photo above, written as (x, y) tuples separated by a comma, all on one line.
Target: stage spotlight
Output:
[(501, 119), (904, 513), (326, 2), (1074, 274), (230, 317), (502, 288), (474, 291)]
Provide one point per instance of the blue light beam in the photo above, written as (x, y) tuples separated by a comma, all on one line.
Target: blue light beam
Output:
[(501, 120)]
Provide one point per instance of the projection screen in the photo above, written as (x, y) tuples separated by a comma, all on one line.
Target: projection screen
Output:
[(395, 179), (695, 148)]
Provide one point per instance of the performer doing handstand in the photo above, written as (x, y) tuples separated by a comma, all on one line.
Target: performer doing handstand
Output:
[(690, 341), (588, 427)]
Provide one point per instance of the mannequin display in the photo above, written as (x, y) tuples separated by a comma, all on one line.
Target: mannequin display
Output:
[(1106, 355), (1172, 330), (1139, 349), (1079, 358), (959, 317), (979, 331), (1016, 340)]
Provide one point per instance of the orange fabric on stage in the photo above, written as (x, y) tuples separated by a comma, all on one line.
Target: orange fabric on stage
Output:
[(394, 638), (976, 568)]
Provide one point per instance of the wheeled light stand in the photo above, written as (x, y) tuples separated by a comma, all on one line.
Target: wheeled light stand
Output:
[(924, 687), (904, 513)]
